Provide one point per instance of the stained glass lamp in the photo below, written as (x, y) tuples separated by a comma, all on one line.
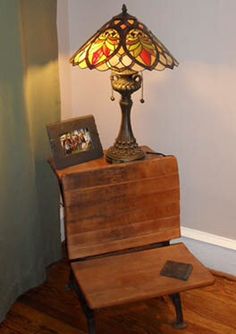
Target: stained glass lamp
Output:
[(126, 47)]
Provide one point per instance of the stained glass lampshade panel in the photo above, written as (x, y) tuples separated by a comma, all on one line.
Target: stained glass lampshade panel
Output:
[(124, 44)]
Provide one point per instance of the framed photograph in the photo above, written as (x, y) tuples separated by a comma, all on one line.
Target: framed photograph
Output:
[(74, 141)]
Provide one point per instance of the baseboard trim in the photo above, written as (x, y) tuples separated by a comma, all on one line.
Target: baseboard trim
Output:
[(215, 252), (209, 238)]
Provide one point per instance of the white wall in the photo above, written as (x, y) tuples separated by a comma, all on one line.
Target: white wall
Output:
[(189, 112)]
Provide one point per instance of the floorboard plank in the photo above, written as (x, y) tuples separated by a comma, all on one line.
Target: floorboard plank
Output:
[(52, 309)]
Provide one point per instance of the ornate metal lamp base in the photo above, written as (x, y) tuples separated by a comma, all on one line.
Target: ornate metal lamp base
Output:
[(124, 152), (125, 148)]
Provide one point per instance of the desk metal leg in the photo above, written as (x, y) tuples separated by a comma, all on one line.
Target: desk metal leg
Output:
[(179, 324), (70, 284), (89, 313)]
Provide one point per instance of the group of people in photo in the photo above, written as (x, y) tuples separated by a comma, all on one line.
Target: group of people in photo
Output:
[(76, 141)]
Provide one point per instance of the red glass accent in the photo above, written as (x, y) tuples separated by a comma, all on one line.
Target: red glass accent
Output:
[(96, 56), (123, 26), (146, 57), (106, 51)]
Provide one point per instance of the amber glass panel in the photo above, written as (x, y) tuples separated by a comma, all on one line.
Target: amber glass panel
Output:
[(141, 47), (98, 51), (81, 56)]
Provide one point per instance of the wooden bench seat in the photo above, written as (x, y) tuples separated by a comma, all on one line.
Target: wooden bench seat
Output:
[(119, 220), (131, 277)]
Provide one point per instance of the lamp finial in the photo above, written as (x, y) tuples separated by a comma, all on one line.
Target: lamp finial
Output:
[(124, 9)]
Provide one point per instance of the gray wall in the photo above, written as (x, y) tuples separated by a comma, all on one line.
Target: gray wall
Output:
[(189, 112)]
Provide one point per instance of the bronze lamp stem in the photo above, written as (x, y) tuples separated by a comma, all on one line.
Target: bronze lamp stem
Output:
[(125, 148)]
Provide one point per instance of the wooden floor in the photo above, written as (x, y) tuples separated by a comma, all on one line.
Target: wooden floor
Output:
[(51, 309)]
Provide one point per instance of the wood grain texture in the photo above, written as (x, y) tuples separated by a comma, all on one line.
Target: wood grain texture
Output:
[(121, 206), (113, 208), (52, 309), (97, 164), (136, 276)]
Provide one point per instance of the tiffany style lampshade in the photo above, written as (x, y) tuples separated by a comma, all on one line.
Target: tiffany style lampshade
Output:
[(126, 47)]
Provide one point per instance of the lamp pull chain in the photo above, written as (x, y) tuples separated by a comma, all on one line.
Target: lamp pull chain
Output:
[(112, 93), (142, 99)]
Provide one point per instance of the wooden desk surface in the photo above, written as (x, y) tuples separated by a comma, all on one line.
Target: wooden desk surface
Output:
[(100, 163)]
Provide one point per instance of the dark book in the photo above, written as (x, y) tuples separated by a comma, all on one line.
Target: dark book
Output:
[(177, 270)]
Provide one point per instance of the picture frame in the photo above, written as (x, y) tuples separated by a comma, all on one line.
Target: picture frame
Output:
[(74, 141)]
